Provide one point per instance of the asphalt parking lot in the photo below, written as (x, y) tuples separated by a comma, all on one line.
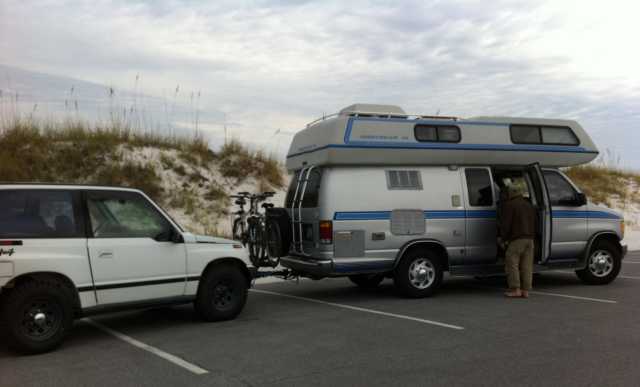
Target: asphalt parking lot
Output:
[(331, 333)]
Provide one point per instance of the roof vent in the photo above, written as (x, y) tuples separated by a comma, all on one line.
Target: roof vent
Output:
[(372, 110)]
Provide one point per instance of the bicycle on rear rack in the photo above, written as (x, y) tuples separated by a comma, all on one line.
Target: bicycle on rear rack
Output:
[(252, 228)]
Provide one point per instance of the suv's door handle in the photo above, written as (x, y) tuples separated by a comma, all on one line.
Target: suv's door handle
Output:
[(106, 254)]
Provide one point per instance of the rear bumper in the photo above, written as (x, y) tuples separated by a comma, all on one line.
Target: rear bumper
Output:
[(308, 266)]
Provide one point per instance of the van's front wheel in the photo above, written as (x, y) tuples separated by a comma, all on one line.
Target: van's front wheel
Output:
[(419, 274), (603, 264)]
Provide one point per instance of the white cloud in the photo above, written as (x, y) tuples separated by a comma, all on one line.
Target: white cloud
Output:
[(278, 64)]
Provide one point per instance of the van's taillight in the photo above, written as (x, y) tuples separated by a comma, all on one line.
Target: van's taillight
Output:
[(326, 232)]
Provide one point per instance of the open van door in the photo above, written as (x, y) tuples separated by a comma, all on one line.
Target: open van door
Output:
[(543, 207)]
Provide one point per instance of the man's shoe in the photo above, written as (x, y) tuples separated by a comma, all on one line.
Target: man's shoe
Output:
[(513, 293), (525, 294)]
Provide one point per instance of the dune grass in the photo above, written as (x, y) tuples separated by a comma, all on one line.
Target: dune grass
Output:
[(73, 152), (603, 183)]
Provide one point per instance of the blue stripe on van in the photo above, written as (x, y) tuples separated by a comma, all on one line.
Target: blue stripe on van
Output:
[(468, 214), (584, 214), (429, 214)]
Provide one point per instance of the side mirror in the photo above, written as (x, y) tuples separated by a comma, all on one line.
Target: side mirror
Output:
[(581, 199), (176, 237)]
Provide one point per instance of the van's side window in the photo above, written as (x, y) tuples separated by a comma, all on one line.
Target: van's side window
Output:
[(39, 214), (436, 133), (479, 187), (549, 135), (561, 193), (409, 180)]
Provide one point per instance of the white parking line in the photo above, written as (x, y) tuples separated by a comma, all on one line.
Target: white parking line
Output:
[(619, 276), (556, 295), (359, 309), (158, 352)]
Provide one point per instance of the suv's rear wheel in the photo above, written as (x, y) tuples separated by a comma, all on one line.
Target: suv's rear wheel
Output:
[(419, 273), (37, 315), (367, 281), (222, 293), (603, 264)]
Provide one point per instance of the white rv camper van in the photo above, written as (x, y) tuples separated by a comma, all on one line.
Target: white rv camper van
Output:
[(378, 193)]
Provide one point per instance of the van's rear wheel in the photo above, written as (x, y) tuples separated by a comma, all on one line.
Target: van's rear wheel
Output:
[(419, 274), (37, 315), (603, 264), (367, 281)]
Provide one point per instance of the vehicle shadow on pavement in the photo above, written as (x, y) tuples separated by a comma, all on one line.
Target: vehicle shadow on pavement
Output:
[(81, 336)]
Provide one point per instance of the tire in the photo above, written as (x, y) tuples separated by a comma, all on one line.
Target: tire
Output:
[(280, 217), (603, 264), (273, 242), (367, 281), (37, 315), (238, 231), (222, 293), (412, 284), (257, 251)]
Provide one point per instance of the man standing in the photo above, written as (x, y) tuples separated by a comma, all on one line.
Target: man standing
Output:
[(517, 230)]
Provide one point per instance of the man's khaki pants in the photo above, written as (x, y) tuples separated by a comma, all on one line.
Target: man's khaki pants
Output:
[(519, 264)]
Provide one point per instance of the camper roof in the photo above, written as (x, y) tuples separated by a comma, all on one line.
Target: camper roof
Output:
[(367, 134)]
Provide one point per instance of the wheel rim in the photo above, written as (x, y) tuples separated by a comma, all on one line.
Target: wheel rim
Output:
[(41, 319), (422, 273), (601, 263), (223, 294)]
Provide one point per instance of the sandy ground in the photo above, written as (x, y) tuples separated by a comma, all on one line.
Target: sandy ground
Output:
[(632, 239)]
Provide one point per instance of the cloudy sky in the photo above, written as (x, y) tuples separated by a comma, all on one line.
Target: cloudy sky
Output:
[(269, 65)]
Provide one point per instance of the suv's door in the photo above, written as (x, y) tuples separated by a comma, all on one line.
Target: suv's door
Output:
[(569, 237), (480, 216), (543, 207), (130, 248), (43, 230)]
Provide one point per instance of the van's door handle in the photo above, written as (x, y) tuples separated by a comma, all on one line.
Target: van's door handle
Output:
[(106, 255)]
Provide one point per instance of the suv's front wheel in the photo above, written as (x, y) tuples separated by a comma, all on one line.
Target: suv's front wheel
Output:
[(222, 293), (37, 315), (419, 273)]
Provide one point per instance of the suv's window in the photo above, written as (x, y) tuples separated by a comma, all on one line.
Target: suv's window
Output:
[(125, 215), (310, 199), (561, 193), (479, 187), (38, 214)]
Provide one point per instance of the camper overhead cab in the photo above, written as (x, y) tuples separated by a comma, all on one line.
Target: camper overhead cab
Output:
[(377, 193)]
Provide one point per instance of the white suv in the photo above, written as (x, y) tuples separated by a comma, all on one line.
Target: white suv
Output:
[(73, 251)]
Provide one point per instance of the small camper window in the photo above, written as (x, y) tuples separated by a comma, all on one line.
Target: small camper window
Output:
[(549, 135), (436, 133), (408, 180), (479, 187)]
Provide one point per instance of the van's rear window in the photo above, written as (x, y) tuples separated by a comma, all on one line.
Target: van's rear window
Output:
[(311, 194)]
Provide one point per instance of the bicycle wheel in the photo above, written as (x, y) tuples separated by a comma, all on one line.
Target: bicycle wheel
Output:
[(254, 242), (238, 231)]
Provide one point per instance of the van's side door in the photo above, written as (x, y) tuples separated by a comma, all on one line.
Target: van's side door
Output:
[(569, 237), (131, 253), (543, 207), (480, 215)]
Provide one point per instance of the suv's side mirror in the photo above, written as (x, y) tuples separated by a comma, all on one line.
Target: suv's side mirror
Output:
[(176, 237), (581, 199)]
